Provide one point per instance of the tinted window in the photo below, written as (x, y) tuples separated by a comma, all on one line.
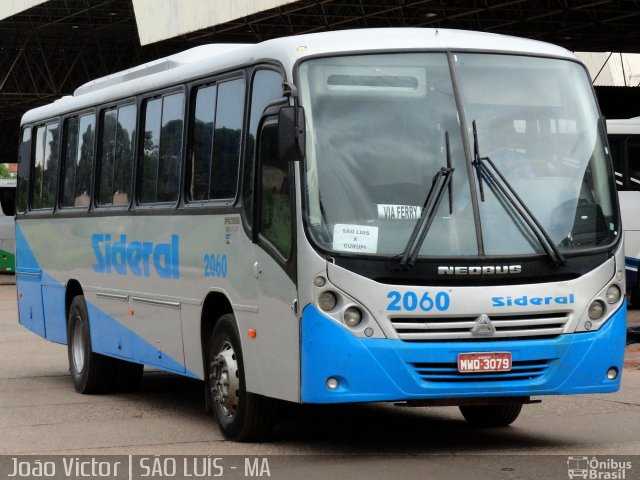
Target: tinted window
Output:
[(216, 150), (45, 166), (8, 201), (161, 159), (202, 143), (267, 87), (24, 160), (226, 139), (151, 152), (633, 162), (78, 161), (116, 156), (275, 201)]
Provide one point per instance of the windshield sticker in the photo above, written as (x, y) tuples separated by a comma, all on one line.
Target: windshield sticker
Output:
[(399, 212), (355, 238)]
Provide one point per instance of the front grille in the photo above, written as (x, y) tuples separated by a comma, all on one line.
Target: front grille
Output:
[(448, 372), (508, 327)]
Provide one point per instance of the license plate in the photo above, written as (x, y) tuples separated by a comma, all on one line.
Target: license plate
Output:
[(484, 362)]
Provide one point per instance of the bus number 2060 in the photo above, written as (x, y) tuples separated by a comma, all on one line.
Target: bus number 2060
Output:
[(215, 265), (410, 301)]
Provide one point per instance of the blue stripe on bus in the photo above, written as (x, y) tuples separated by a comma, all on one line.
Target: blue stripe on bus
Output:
[(38, 293), (370, 370), (110, 337)]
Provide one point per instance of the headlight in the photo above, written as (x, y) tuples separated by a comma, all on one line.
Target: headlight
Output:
[(327, 301), (596, 310), (352, 317), (613, 294)]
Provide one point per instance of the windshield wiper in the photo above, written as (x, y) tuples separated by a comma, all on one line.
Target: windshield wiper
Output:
[(439, 185), (508, 193)]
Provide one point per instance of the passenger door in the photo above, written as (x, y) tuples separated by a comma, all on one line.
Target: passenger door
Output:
[(272, 359), (275, 265)]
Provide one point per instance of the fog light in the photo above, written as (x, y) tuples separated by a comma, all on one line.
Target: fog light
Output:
[(612, 373), (588, 325), (613, 294), (332, 383), (352, 317), (596, 310), (327, 301), (319, 281)]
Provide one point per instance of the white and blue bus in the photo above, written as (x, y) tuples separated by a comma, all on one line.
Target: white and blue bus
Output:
[(624, 140), (7, 225), (407, 215)]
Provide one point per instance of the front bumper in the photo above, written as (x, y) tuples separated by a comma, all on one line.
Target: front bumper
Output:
[(372, 370)]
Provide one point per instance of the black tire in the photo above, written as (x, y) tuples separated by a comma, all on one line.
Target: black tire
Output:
[(241, 416), (90, 372), (491, 415)]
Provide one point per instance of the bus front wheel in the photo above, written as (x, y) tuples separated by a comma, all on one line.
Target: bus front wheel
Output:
[(491, 415), (90, 372), (242, 416)]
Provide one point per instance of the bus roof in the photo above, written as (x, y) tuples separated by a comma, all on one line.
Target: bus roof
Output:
[(207, 59)]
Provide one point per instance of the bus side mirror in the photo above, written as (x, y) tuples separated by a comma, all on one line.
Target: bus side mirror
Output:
[(291, 134)]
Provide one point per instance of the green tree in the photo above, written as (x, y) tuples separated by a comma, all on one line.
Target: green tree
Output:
[(4, 171)]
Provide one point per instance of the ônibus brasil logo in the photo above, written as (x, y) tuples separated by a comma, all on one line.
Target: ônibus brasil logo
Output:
[(136, 257), (596, 468)]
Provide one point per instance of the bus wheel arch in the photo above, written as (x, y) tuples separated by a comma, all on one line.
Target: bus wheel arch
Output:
[(215, 305), (74, 289), (242, 416), (90, 372)]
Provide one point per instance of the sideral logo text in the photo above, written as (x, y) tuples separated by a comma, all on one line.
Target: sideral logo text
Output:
[(136, 257)]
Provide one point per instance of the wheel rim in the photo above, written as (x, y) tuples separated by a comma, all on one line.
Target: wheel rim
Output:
[(77, 345), (225, 380)]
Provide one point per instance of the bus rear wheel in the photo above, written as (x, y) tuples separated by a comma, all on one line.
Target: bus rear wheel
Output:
[(242, 416), (90, 372), (491, 415)]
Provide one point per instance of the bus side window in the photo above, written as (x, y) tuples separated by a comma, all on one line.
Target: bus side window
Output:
[(77, 161), (215, 141), (267, 87), (8, 201), (617, 145), (24, 159), (633, 163), (226, 140), (45, 167), (202, 143), (162, 149), (275, 198), (115, 167)]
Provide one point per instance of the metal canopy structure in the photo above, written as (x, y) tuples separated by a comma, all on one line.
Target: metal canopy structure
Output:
[(53, 47)]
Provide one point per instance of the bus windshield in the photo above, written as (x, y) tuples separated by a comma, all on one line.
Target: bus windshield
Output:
[(376, 130)]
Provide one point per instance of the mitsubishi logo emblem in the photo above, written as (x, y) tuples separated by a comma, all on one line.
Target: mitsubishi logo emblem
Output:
[(483, 327)]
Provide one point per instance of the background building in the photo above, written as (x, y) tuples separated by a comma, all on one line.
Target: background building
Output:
[(50, 47)]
